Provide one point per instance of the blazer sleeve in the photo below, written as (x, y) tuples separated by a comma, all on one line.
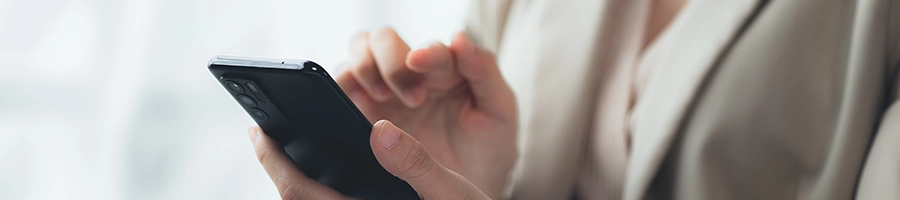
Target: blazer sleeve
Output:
[(881, 173), (880, 177), (486, 21)]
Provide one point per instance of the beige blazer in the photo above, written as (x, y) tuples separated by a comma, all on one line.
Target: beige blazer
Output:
[(758, 99)]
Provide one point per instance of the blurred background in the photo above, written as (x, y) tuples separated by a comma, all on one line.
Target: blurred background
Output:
[(111, 99)]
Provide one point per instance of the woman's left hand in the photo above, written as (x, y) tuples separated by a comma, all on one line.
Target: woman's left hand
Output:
[(398, 152)]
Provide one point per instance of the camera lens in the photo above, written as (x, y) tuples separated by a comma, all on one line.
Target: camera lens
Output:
[(234, 86), (246, 100), (252, 87), (259, 114), (256, 92)]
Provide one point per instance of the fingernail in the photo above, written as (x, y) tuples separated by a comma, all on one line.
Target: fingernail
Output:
[(388, 134), (254, 133)]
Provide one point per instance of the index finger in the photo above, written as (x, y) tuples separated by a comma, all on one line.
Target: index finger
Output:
[(479, 68), (389, 51)]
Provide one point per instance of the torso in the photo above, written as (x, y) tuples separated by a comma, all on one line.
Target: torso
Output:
[(794, 85), (602, 172)]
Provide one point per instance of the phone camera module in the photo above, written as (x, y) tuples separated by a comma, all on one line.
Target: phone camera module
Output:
[(246, 100), (234, 86), (259, 114)]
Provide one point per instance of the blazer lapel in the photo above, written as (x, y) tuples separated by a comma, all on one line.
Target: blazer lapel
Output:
[(702, 34)]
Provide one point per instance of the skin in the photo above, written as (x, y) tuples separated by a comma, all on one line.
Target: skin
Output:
[(458, 113), (662, 12)]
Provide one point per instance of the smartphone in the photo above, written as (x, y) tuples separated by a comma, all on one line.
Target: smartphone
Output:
[(298, 104)]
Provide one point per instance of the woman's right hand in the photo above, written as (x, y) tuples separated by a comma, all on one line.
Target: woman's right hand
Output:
[(453, 97)]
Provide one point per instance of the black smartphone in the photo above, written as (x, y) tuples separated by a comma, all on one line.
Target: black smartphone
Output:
[(298, 104)]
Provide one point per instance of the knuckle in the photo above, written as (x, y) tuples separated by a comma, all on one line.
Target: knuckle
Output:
[(384, 33), (290, 191), (393, 73), (416, 163), (360, 37), (365, 71)]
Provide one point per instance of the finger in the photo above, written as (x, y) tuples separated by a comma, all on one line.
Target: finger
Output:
[(389, 51), (291, 183), (435, 63), (479, 69), (364, 69), (357, 94), (351, 87), (401, 155)]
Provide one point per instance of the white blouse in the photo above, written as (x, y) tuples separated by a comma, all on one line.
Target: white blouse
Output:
[(626, 66)]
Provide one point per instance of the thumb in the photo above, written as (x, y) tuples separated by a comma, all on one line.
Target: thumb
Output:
[(479, 68), (404, 157)]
